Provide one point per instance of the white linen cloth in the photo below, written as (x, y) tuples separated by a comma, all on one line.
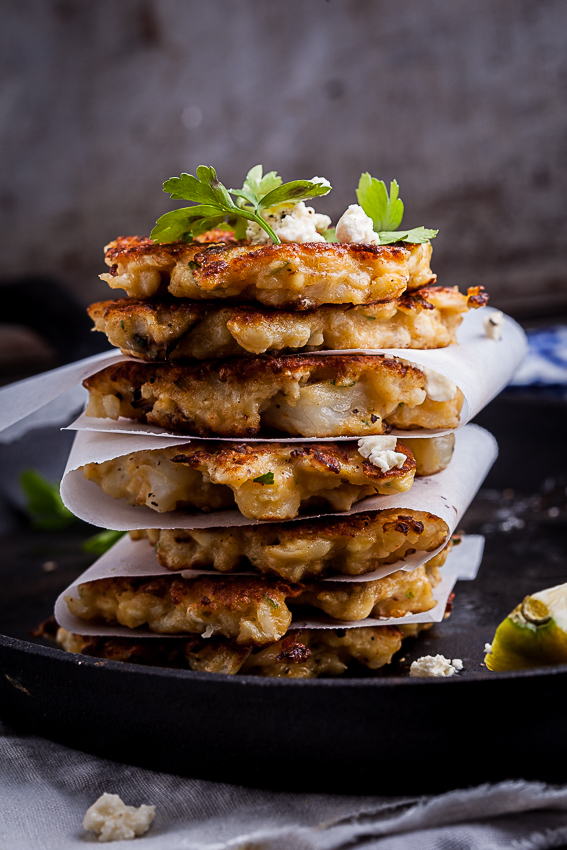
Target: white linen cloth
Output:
[(46, 788)]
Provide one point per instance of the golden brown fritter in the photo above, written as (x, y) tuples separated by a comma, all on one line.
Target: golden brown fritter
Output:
[(317, 548), (301, 654), (292, 275), (251, 610), (305, 395), (178, 330), (270, 481)]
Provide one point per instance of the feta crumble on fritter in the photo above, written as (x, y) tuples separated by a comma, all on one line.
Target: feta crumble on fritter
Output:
[(293, 223), (435, 666), (438, 387), (381, 452), (493, 324), (113, 820), (355, 226)]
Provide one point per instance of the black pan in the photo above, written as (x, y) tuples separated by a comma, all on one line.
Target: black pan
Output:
[(371, 733)]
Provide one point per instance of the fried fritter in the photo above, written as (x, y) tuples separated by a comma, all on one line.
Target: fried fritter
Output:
[(317, 548), (303, 654), (177, 330), (270, 481), (292, 275), (252, 611), (305, 395)]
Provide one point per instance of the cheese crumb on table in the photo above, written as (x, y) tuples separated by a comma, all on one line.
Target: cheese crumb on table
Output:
[(493, 325), (113, 820), (380, 451), (435, 666)]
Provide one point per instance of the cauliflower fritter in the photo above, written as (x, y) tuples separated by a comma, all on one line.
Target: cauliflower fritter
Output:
[(301, 654), (177, 330), (270, 481), (317, 548), (251, 610), (304, 395), (294, 276)]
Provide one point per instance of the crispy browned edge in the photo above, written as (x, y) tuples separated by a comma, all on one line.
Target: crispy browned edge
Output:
[(325, 455), (246, 368)]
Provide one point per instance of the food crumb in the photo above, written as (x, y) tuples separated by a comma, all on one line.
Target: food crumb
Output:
[(113, 820), (493, 325), (435, 666), (487, 648), (49, 566)]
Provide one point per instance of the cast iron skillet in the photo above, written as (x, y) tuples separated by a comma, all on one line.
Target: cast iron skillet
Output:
[(378, 733)]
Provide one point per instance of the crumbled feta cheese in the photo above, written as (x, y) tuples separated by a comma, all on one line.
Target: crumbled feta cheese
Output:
[(115, 821), (438, 387), (493, 325), (435, 666), (355, 226), (487, 648), (291, 224), (322, 181), (380, 451)]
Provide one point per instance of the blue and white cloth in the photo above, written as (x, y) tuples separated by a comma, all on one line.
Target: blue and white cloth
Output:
[(546, 362)]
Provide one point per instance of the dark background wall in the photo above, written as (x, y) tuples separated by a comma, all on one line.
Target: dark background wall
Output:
[(463, 102)]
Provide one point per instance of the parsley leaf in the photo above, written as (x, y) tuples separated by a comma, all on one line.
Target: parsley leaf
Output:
[(386, 211), (100, 543), (271, 602), (416, 236), (266, 478), (44, 502), (214, 206)]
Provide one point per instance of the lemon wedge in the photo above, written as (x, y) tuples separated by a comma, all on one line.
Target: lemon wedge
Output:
[(534, 634)]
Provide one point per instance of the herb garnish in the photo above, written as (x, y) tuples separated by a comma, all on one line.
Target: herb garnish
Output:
[(266, 478), (48, 513), (214, 206), (386, 211), (44, 502)]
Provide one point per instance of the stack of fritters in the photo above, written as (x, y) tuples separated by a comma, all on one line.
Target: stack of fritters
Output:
[(226, 336)]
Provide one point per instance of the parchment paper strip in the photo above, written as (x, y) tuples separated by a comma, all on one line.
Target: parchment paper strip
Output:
[(24, 397), (462, 563)]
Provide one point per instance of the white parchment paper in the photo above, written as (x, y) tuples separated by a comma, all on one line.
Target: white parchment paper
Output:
[(128, 558), (480, 366), (447, 494)]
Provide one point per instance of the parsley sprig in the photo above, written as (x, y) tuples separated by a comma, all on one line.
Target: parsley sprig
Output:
[(214, 206), (386, 211), (48, 513)]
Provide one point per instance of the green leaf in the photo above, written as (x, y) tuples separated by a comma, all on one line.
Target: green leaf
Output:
[(330, 235), (188, 188), (386, 211), (256, 185), (297, 190), (244, 195), (416, 236), (100, 543), (44, 502), (266, 478)]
